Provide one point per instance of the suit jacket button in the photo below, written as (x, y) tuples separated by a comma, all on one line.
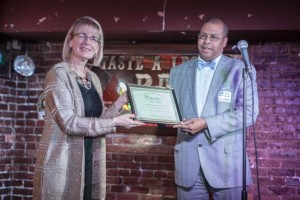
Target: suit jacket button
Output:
[(199, 145)]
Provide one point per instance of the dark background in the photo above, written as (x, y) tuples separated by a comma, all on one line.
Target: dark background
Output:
[(151, 20)]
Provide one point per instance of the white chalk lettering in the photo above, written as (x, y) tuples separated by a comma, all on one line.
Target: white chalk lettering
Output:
[(156, 64), (146, 77), (163, 79)]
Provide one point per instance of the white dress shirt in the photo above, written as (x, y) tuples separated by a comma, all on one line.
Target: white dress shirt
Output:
[(203, 81)]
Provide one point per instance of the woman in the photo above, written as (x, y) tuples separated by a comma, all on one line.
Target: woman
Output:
[(71, 153)]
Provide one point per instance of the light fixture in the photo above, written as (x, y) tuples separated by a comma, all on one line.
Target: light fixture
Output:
[(24, 65)]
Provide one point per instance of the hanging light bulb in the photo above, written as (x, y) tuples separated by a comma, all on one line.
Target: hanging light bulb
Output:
[(24, 65)]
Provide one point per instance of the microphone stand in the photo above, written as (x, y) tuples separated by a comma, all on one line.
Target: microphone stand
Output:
[(242, 46), (245, 76)]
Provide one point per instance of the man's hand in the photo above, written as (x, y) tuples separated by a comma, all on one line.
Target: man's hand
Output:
[(192, 125)]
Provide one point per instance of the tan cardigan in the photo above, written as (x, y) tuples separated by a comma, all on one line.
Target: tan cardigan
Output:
[(59, 169)]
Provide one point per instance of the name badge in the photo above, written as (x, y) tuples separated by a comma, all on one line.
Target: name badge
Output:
[(224, 96)]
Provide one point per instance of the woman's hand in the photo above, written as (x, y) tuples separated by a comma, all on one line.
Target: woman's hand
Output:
[(126, 121)]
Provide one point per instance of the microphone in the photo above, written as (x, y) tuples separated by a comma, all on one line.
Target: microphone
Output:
[(242, 46)]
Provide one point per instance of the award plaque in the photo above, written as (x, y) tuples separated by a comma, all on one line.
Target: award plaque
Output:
[(153, 104)]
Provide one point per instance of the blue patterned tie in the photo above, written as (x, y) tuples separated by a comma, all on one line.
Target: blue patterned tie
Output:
[(202, 64)]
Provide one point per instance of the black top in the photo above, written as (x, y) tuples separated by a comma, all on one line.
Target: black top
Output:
[(92, 101), (92, 108)]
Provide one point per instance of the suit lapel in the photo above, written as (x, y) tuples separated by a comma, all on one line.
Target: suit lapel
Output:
[(218, 78), (191, 82)]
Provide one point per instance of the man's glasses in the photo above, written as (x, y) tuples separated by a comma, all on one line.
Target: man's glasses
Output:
[(212, 38), (84, 37)]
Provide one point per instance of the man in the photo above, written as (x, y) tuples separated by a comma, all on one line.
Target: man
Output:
[(209, 149)]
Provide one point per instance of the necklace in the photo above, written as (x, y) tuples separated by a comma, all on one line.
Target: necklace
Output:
[(85, 80)]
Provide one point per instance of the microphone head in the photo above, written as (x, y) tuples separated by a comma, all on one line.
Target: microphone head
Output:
[(242, 44)]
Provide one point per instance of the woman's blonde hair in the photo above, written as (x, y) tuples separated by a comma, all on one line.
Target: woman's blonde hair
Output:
[(86, 20)]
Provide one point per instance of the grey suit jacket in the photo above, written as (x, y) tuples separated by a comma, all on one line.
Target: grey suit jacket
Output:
[(218, 149)]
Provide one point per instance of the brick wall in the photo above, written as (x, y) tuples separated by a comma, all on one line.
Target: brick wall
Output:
[(140, 165)]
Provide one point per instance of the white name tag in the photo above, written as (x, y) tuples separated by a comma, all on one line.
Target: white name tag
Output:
[(224, 96)]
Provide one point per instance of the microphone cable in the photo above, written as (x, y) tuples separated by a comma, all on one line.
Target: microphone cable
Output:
[(254, 138)]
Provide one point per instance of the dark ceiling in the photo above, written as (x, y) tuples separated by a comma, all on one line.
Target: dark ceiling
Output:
[(152, 20)]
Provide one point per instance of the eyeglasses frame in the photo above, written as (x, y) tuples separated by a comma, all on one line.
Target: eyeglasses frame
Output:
[(211, 37), (84, 36)]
